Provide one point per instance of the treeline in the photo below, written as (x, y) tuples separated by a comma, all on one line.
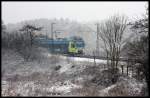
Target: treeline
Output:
[(139, 47), (21, 41)]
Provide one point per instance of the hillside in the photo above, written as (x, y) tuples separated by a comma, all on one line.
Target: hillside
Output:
[(68, 28)]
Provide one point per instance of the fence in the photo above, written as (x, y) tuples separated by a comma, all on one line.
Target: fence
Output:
[(131, 68)]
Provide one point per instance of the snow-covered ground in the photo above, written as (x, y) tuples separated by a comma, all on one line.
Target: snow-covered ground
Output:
[(47, 78)]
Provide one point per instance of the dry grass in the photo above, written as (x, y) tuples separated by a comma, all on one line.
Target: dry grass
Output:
[(85, 91), (128, 87), (55, 59), (35, 84)]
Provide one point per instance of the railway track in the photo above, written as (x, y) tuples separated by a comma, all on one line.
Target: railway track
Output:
[(99, 57)]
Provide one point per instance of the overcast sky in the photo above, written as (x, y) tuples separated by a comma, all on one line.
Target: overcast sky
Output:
[(13, 12)]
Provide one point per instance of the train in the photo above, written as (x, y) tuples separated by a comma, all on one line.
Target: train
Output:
[(71, 46)]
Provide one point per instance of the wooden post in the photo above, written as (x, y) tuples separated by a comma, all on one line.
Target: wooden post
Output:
[(122, 68), (128, 66)]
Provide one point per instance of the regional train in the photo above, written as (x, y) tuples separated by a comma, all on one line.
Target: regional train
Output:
[(72, 45)]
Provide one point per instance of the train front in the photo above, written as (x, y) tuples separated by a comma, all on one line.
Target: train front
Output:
[(79, 45)]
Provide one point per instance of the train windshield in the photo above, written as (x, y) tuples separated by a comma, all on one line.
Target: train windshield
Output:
[(73, 45)]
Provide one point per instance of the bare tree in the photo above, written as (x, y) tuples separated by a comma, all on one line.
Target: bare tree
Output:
[(5, 36), (27, 50), (111, 33), (29, 30), (3, 27)]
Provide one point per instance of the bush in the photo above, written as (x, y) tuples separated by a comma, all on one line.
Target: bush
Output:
[(106, 77), (30, 53), (125, 89)]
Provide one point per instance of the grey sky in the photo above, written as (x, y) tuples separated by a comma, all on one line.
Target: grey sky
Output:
[(13, 12)]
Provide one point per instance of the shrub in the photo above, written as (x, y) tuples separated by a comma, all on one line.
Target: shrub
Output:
[(57, 67)]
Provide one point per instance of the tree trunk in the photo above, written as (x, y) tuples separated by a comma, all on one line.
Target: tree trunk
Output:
[(122, 68)]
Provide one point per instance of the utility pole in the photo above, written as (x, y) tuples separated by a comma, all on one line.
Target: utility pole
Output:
[(48, 47), (97, 40), (56, 32), (52, 26)]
